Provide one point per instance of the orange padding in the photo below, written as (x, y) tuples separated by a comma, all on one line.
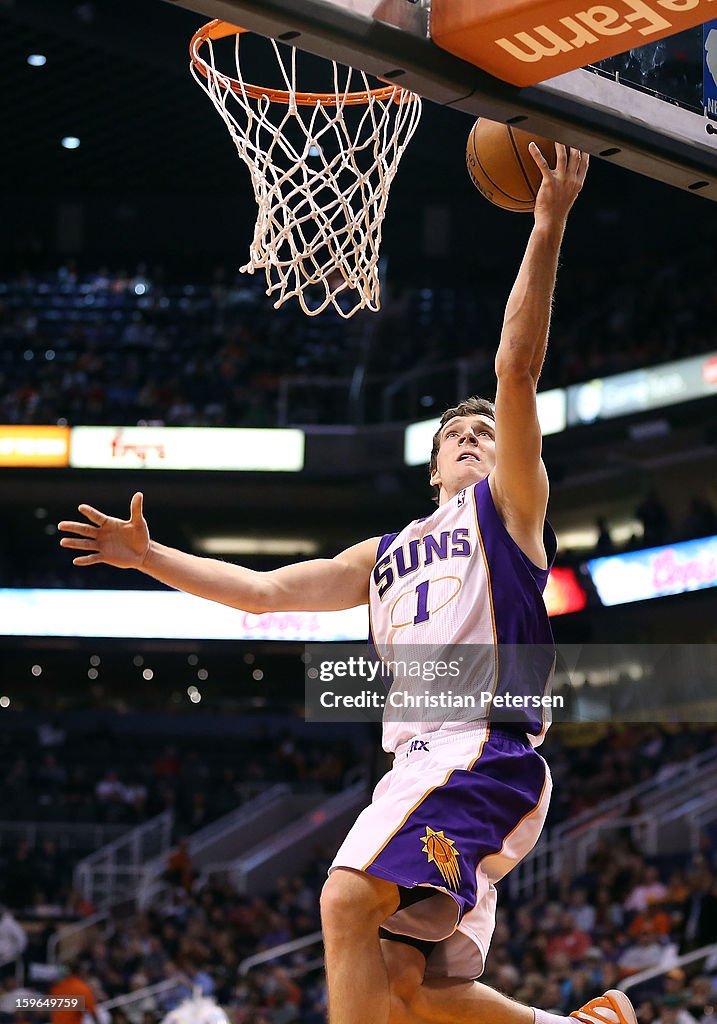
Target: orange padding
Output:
[(527, 41)]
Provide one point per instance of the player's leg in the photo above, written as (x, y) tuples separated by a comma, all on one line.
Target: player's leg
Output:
[(451, 1001), (419, 1000), (353, 906), (435, 1000)]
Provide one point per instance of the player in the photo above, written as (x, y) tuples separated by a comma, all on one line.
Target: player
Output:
[(408, 909)]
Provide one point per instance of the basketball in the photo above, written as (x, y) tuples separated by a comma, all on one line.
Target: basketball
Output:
[(501, 167)]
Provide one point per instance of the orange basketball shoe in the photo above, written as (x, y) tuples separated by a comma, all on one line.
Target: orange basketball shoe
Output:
[(612, 1007)]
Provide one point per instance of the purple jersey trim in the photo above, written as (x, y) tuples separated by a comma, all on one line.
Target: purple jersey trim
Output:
[(525, 639), (383, 545)]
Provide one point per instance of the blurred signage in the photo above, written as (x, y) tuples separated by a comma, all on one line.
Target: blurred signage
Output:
[(417, 442), (552, 411), (34, 446), (200, 448), (525, 42), (656, 572), (641, 390), (160, 614), (564, 594), (709, 71), (172, 615), (418, 437)]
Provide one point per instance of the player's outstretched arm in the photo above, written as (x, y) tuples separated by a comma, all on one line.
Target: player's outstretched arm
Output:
[(324, 584), (519, 482)]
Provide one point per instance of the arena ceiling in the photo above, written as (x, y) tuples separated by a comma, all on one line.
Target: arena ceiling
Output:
[(117, 76)]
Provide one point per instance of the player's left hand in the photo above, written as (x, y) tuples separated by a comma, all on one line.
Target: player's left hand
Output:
[(561, 186)]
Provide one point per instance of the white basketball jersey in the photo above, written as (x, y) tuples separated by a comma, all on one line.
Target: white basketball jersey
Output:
[(457, 611)]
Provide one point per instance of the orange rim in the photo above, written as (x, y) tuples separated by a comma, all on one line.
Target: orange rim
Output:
[(220, 29)]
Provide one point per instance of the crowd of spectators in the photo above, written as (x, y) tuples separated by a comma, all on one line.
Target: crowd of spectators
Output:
[(200, 937), (97, 777), (93, 778), (624, 914), (658, 527), (591, 763), (122, 348)]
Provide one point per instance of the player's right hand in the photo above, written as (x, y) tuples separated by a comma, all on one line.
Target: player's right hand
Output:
[(120, 542), (561, 185)]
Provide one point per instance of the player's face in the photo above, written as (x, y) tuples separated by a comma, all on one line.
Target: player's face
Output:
[(466, 454)]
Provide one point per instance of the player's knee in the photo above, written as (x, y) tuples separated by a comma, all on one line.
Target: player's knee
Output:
[(405, 980), (353, 898), (400, 1010)]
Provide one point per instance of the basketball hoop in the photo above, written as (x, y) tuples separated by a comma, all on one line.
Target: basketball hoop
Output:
[(321, 174)]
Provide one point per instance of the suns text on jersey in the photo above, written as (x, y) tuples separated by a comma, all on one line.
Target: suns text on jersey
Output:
[(406, 559)]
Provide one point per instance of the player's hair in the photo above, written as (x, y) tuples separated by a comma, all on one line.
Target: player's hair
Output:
[(472, 406)]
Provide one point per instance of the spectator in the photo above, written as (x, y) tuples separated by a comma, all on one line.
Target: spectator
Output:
[(653, 919), (110, 789), (74, 983), (646, 952), (700, 521), (672, 1011), (19, 876), (647, 1012), (655, 521), (701, 998), (700, 916), (568, 939), (179, 866), (604, 544), (166, 765), (674, 982), (13, 940), (583, 913), (649, 890), (609, 913)]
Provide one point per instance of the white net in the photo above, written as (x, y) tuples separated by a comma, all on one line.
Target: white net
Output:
[(321, 173)]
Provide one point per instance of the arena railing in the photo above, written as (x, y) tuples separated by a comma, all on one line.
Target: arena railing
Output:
[(161, 988), (288, 849), (259, 817), (704, 814), (457, 374), (677, 773), (565, 848), (106, 874), (703, 953), (284, 949), (284, 851), (56, 944), (350, 394)]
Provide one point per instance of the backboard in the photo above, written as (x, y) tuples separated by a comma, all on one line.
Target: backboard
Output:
[(643, 128)]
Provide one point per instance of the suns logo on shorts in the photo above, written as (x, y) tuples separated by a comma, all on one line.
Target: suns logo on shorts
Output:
[(441, 852)]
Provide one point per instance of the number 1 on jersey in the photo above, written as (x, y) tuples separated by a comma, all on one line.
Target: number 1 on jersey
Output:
[(422, 613)]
